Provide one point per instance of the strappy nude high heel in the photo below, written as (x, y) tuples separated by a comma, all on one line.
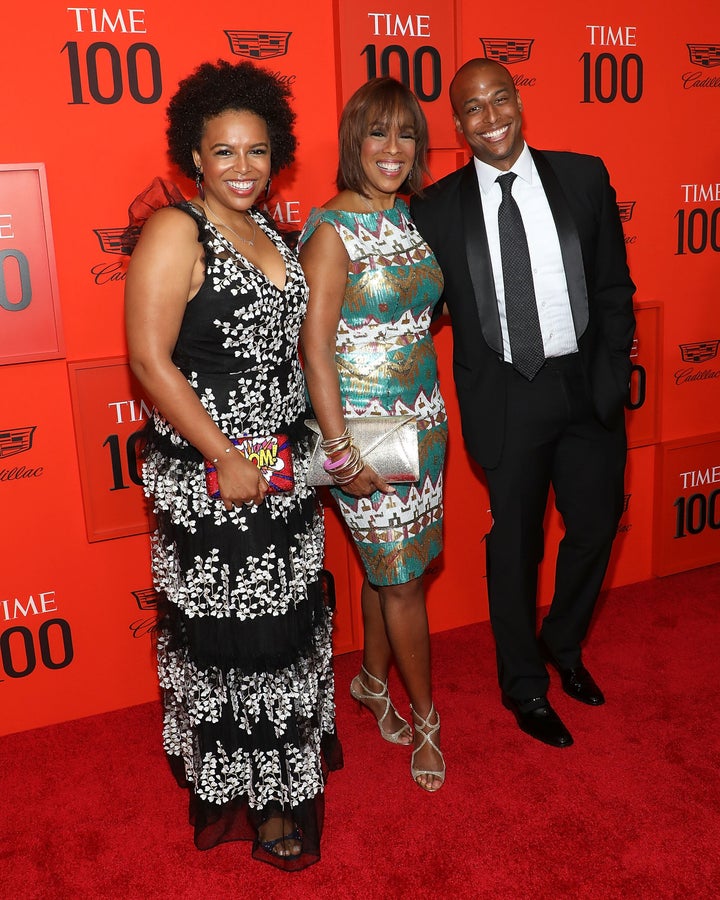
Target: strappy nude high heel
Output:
[(362, 693), (428, 732)]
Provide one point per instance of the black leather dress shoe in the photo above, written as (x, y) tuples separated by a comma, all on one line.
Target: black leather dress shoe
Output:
[(538, 719), (577, 682)]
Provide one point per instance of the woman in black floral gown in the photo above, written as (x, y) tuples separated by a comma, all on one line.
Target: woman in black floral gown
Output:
[(214, 303)]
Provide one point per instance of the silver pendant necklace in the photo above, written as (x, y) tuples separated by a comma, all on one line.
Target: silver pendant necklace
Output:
[(249, 241)]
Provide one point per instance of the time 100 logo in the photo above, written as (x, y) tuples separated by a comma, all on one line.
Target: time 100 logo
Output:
[(102, 73)]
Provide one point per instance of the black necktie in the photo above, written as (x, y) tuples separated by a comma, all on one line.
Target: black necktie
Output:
[(526, 343)]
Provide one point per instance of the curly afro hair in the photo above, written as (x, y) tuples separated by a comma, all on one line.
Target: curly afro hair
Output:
[(213, 89)]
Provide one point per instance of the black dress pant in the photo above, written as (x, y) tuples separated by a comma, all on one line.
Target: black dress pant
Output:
[(552, 438)]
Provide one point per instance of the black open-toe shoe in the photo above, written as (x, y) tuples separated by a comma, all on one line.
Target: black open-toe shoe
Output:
[(279, 846)]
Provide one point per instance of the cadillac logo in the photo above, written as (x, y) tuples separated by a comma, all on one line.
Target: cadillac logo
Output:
[(147, 598), (625, 208), (701, 351), (507, 50), (259, 44), (705, 55), (116, 240), (16, 440)]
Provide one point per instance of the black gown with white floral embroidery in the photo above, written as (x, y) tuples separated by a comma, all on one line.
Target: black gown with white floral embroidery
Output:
[(244, 649)]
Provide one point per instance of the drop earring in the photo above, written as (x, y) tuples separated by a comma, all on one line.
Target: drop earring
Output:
[(199, 182), (267, 188)]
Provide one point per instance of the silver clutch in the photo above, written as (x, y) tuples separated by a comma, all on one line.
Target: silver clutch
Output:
[(387, 443)]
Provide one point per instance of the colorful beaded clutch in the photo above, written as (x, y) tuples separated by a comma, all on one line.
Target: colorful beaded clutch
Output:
[(272, 455)]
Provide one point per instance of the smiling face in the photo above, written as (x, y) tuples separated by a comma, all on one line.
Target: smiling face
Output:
[(387, 155), (488, 112), (234, 157)]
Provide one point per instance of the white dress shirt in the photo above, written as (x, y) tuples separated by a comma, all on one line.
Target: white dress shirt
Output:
[(551, 292)]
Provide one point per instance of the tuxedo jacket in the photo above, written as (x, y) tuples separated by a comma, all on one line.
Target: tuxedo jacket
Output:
[(450, 218)]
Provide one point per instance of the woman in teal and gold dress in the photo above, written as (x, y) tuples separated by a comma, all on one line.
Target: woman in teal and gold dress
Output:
[(368, 351)]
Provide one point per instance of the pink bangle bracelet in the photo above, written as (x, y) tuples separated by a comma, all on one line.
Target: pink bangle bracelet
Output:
[(331, 465)]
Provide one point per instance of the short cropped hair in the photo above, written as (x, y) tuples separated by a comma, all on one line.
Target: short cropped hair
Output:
[(381, 100), (213, 89)]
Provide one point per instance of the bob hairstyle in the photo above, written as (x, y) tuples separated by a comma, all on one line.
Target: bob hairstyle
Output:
[(381, 100), (213, 89)]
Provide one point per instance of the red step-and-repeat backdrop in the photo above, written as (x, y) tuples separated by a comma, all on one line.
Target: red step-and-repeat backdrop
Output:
[(84, 91)]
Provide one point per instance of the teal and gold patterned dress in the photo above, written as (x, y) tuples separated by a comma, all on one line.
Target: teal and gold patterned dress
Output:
[(387, 365)]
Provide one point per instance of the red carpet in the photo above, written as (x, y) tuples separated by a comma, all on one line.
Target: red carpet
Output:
[(632, 810)]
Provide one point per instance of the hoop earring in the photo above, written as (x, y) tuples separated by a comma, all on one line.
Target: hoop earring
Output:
[(267, 188), (199, 182)]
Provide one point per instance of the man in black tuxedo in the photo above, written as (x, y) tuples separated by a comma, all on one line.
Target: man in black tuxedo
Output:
[(540, 298)]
